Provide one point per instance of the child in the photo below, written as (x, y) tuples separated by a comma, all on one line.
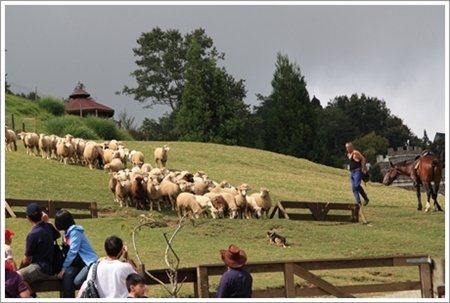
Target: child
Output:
[(136, 286), (8, 251)]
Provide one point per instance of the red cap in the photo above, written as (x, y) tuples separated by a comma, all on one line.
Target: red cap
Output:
[(8, 234)]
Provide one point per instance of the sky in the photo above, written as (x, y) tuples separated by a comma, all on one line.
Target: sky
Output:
[(393, 52)]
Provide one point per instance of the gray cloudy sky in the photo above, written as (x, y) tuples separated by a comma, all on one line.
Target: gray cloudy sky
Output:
[(395, 53)]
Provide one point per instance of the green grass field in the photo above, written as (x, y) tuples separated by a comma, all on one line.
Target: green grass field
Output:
[(395, 228)]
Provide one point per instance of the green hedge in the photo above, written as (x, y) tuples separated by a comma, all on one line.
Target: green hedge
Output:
[(86, 128), (52, 105)]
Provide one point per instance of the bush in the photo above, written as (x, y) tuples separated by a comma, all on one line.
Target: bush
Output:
[(81, 131), (58, 125), (52, 105), (106, 129)]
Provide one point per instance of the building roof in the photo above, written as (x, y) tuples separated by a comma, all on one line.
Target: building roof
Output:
[(80, 102)]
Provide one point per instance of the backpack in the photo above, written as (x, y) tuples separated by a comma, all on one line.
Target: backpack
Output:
[(58, 258), (91, 290)]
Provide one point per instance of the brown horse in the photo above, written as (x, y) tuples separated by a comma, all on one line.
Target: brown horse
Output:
[(423, 171)]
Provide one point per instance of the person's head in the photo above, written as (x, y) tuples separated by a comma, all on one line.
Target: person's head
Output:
[(233, 257), (349, 147), (34, 212), (136, 285), (8, 236), (63, 220), (113, 246)]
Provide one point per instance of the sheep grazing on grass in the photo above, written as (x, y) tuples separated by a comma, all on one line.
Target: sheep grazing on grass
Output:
[(114, 166), (10, 139), (263, 201), (161, 155)]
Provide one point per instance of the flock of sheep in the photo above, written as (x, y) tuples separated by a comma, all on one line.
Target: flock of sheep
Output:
[(143, 185)]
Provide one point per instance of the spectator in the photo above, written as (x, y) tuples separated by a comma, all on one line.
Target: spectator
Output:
[(15, 287), (111, 271), (8, 251), (236, 282), (80, 254), (136, 286), (37, 263)]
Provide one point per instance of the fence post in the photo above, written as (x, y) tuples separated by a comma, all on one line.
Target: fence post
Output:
[(203, 283), (426, 280), (13, 125), (438, 274), (289, 284)]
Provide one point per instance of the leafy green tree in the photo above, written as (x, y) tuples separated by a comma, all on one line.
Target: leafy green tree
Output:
[(126, 121), (212, 107), (371, 145), (161, 59), (290, 118)]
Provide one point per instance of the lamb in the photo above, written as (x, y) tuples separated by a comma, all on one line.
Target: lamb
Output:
[(263, 201), (114, 166), (10, 139), (136, 158), (161, 155)]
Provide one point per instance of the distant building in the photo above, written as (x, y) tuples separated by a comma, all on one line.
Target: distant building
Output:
[(80, 103)]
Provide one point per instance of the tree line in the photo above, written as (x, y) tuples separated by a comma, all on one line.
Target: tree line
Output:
[(207, 103)]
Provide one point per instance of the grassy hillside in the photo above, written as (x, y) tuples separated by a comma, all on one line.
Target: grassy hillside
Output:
[(27, 112), (396, 227)]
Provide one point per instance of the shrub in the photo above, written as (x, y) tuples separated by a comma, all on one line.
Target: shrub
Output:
[(81, 131), (58, 125), (52, 105), (106, 129)]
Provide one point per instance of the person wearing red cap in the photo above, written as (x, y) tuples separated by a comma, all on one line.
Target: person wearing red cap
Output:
[(8, 251), (236, 282)]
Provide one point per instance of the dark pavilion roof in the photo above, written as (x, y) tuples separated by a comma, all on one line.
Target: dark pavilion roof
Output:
[(80, 103)]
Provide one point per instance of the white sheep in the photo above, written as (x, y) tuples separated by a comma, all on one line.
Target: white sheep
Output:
[(10, 139), (241, 200), (64, 151), (186, 202), (169, 189), (109, 155), (160, 154), (153, 193), (263, 201), (114, 166), (45, 145), (123, 190), (229, 199), (93, 154), (136, 158), (31, 142)]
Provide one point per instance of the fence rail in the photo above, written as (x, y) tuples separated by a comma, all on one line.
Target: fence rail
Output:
[(319, 211), (200, 275), (51, 207)]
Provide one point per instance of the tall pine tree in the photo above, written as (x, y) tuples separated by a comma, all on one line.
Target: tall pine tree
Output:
[(290, 118)]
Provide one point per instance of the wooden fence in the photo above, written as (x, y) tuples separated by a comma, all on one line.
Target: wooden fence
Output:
[(319, 287), (319, 211), (51, 207)]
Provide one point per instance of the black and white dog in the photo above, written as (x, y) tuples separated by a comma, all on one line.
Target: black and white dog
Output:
[(276, 239)]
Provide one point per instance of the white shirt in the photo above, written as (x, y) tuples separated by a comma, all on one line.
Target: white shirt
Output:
[(8, 252), (111, 278)]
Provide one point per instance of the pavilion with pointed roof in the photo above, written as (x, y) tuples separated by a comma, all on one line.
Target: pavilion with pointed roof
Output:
[(80, 103)]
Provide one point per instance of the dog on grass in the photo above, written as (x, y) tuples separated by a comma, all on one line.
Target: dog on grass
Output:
[(276, 239)]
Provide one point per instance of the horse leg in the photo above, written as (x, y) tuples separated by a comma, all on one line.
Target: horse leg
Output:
[(419, 202), (428, 190), (437, 207)]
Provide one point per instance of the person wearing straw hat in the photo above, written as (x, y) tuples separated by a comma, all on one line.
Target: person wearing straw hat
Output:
[(236, 282)]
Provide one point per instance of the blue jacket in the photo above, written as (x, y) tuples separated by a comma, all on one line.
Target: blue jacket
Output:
[(78, 244)]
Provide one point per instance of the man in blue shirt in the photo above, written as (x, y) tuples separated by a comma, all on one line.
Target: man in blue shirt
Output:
[(37, 263), (236, 282)]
